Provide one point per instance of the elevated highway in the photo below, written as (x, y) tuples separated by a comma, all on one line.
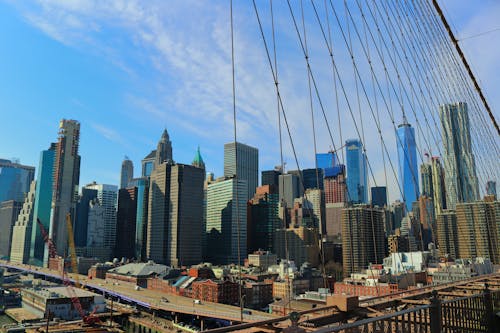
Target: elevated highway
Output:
[(150, 300)]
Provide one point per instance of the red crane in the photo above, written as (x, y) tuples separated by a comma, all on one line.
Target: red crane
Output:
[(87, 319)]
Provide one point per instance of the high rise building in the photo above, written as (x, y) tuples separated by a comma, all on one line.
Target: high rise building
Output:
[(175, 219), (356, 172), (185, 224), (162, 153), (407, 164), (107, 197), (317, 203), (301, 244), (271, 177), (66, 180), (491, 188), (247, 166), (96, 233), (398, 211), (426, 179), (15, 180), (311, 178), (333, 221), (335, 185), (126, 220), (43, 201), (478, 225), (289, 189), (82, 216), (127, 173), (379, 196), (9, 210), (226, 221), (326, 160), (447, 233), (363, 237), (427, 221), (263, 219), (459, 165), (438, 186), (141, 218), (21, 233)]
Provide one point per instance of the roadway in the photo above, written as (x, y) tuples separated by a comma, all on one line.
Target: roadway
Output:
[(152, 299)]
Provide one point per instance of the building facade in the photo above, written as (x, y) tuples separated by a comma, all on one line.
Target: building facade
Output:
[(363, 237), (226, 216), (127, 173), (66, 180), (15, 180), (9, 210), (245, 168), (459, 164), (21, 233), (407, 164), (43, 201), (126, 220), (356, 172), (447, 233), (263, 218)]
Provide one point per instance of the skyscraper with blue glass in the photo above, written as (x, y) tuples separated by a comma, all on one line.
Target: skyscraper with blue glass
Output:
[(356, 172), (407, 166), (15, 180), (43, 200)]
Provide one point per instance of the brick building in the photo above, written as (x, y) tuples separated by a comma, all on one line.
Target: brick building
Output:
[(217, 291)]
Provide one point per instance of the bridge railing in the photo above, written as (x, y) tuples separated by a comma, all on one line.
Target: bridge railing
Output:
[(472, 313)]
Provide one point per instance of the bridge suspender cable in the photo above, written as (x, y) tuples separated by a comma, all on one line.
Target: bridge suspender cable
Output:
[(466, 64)]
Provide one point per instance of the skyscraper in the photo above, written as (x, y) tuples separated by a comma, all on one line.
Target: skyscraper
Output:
[(226, 221), (126, 218), (479, 230), (363, 237), (66, 180), (175, 219), (43, 201), (141, 219), (326, 160), (162, 153), (107, 197), (438, 186), (379, 196), (127, 173), (185, 223), (21, 233), (459, 165), (426, 178), (309, 178), (247, 166), (334, 184), (447, 233), (407, 166), (9, 210), (82, 216), (15, 180), (263, 219), (271, 177), (491, 188), (356, 172), (289, 189)]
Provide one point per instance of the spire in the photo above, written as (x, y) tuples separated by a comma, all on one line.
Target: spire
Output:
[(198, 160), (164, 136)]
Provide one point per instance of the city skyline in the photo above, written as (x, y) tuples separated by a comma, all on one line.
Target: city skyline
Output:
[(108, 133)]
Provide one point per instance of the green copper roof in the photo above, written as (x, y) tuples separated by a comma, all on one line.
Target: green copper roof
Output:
[(198, 160)]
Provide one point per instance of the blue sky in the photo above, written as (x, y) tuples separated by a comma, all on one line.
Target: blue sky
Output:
[(127, 69)]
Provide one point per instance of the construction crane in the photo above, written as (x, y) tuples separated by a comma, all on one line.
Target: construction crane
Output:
[(87, 319)]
